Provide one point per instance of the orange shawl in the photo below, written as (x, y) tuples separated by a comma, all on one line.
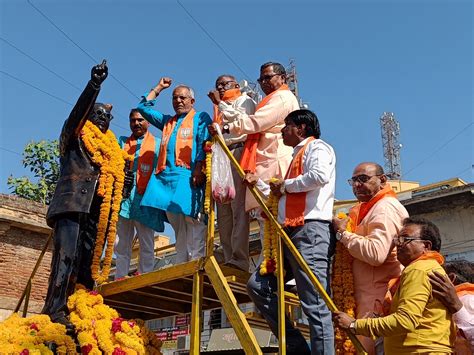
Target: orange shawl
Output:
[(229, 95), (249, 154), (464, 289), (359, 211), (184, 142), (295, 204), (145, 159), (394, 283)]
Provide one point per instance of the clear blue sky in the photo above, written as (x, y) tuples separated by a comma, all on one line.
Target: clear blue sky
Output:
[(355, 60)]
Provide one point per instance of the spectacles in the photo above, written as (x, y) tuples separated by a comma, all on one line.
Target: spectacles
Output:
[(266, 77), (403, 240), (362, 179), (101, 113), (224, 84)]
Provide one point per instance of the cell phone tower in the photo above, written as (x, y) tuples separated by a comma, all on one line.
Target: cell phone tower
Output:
[(391, 145), (292, 81)]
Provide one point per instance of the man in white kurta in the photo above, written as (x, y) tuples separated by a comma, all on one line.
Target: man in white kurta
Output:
[(232, 218)]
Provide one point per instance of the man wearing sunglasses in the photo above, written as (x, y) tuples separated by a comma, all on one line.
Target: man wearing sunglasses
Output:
[(232, 219), (376, 220), (74, 210)]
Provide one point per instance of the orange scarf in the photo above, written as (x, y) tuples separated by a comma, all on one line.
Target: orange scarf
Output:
[(359, 211), (184, 142), (229, 95), (295, 204), (394, 283), (464, 289), (145, 159), (249, 154)]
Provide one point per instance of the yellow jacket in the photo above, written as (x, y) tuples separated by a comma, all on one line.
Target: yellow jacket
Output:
[(418, 322)]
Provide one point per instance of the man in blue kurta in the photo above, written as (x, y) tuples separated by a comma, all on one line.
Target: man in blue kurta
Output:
[(177, 186), (143, 220)]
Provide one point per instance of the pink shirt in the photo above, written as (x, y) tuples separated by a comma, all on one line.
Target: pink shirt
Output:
[(273, 157)]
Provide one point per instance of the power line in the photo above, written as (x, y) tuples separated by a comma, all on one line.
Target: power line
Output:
[(10, 151), (438, 149), (40, 64), (213, 40), (49, 94), (78, 46)]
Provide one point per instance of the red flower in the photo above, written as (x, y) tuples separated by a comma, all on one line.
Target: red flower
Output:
[(119, 351), (34, 326), (86, 349), (131, 324), (117, 325), (93, 293), (271, 266), (25, 352)]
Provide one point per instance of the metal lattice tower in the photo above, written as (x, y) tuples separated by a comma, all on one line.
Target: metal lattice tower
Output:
[(292, 81), (391, 145)]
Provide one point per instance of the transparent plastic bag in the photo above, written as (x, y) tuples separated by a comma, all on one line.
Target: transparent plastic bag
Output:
[(222, 183)]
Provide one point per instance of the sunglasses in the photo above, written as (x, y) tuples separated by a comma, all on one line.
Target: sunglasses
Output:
[(103, 114), (404, 240), (266, 77), (362, 179)]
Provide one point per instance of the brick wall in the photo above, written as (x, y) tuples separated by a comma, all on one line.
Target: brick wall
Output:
[(23, 234)]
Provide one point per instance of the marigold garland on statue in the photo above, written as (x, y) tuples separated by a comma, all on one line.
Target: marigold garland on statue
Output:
[(106, 153), (343, 290), (270, 235), (101, 330), (29, 335), (208, 172)]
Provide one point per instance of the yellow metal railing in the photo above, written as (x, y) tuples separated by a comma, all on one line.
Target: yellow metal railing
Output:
[(301, 262)]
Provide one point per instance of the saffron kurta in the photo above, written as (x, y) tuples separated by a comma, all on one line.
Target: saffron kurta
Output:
[(171, 190)]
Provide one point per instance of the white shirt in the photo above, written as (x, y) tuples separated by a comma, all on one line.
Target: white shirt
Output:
[(464, 318), (318, 181), (243, 105)]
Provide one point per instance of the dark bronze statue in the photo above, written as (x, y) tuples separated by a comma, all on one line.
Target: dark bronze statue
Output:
[(74, 210)]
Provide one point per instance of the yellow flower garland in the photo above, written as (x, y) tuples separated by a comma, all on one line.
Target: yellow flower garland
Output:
[(106, 153), (29, 335), (100, 330), (270, 235), (343, 290), (208, 172)]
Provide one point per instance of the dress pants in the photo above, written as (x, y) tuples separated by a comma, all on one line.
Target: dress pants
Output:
[(313, 241), (233, 223), (123, 249), (190, 236)]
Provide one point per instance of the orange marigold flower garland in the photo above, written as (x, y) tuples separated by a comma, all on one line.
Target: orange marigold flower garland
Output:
[(29, 335), (270, 235), (101, 330), (343, 290), (208, 172), (106, 153)]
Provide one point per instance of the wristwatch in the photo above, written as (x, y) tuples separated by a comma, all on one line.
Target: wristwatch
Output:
[(352, 327), (225, 128), (339, 235)]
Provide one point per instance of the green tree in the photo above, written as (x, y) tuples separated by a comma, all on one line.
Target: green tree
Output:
[(42, 159)]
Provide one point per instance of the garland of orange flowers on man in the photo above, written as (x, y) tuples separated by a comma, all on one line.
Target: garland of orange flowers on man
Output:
[(99, 328)]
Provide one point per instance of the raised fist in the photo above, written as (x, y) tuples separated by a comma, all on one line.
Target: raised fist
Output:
[(214, 96), (99, 73), (165, 82)]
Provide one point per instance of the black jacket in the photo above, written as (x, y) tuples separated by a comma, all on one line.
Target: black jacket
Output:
[(76, 186)]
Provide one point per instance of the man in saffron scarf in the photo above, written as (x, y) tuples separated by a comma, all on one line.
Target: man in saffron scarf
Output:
[(232, 219), (144, 147), (74, 210), (416, 322), (305, 210), (264, 153), (457, 294), (177, 185), (376, 220)]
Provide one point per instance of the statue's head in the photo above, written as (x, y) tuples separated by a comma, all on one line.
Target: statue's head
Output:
[(101, 116)]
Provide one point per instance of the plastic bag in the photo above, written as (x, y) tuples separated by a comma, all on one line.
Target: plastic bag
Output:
[(222, 183)]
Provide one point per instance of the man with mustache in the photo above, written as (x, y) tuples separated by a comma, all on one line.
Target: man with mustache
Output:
[(177, 185), (144, 147)]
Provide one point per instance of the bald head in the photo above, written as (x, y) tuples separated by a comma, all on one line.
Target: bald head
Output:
[(368, 179)]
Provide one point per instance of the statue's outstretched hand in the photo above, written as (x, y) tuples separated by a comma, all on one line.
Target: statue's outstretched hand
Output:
[(99, 73)]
